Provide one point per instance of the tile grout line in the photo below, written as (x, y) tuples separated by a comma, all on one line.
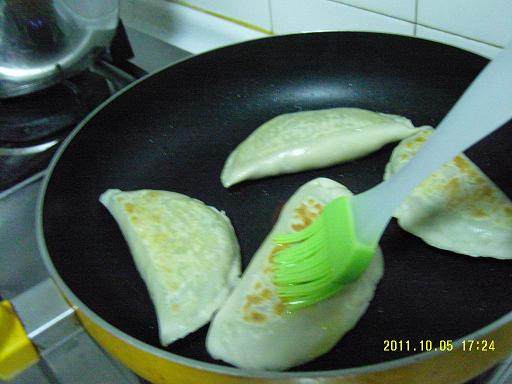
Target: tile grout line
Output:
[(272, 29), (415, 23), (416, 5), (242, 23), (459, 35), (370, 10)]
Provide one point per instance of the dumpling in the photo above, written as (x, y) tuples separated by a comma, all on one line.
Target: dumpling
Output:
[(458, 208), (299, 141), (185, 251), (253, 330)]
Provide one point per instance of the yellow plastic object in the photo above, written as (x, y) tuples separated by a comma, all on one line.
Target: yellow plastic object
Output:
[(17, 352)]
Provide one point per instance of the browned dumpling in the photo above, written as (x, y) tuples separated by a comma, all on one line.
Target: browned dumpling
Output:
[(457, 208), (185, 251), (254, 330)]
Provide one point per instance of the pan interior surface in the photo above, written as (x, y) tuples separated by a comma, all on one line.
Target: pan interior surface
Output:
[(174, 130)]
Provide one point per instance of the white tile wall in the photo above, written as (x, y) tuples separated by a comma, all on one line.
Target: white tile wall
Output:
[(256, 12), (457, 41), (469, 24), (290, 16), (402, 9), (489, 21), (182, 26)]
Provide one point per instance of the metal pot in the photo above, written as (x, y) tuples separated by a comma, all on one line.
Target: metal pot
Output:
[(45, 41)]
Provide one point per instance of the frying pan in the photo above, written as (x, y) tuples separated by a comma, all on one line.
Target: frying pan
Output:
[(174, 129)]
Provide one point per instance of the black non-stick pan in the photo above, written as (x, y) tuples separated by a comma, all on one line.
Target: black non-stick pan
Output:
[(174, 130)]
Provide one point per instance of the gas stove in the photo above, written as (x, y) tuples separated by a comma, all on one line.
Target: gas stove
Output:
[(69, 355), (33, 127)]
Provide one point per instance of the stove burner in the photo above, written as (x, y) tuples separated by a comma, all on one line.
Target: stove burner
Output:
[(42, 115), (33, 126), (28, 150), (15, 169)]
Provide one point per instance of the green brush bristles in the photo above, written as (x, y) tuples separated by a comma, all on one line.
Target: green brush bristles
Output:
[(321, 259)]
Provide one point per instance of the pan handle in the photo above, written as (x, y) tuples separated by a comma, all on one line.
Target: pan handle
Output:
[(31, 324), (17, 352)]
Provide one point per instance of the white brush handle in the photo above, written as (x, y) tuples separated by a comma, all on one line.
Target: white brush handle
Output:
[(485, 106)]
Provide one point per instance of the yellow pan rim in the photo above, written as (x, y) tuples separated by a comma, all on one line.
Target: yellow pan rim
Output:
[(174, 358)]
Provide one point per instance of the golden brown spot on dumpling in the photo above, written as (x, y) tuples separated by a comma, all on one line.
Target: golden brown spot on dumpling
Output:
[(269, 268), (466, 168), (279, 308), (134, 219), (152, 194), (255, 317), (453, 187), (266, 294), (306, 216), (486, 191), (257, 285), (253, 299), (418, 139), (277, 248), (478, 213), (129, 207), (508, 211), (175, 307), (483, 193), (471, 172), (460, 163)]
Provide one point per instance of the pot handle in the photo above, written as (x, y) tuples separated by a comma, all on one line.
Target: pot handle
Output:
[(17, 352)]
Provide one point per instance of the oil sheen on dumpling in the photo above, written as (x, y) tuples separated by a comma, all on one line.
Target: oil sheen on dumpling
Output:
[(458, 208), (299, 141), (253, 330), (185, 251)]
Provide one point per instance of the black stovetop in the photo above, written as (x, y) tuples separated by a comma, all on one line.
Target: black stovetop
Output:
[(32, 126)]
